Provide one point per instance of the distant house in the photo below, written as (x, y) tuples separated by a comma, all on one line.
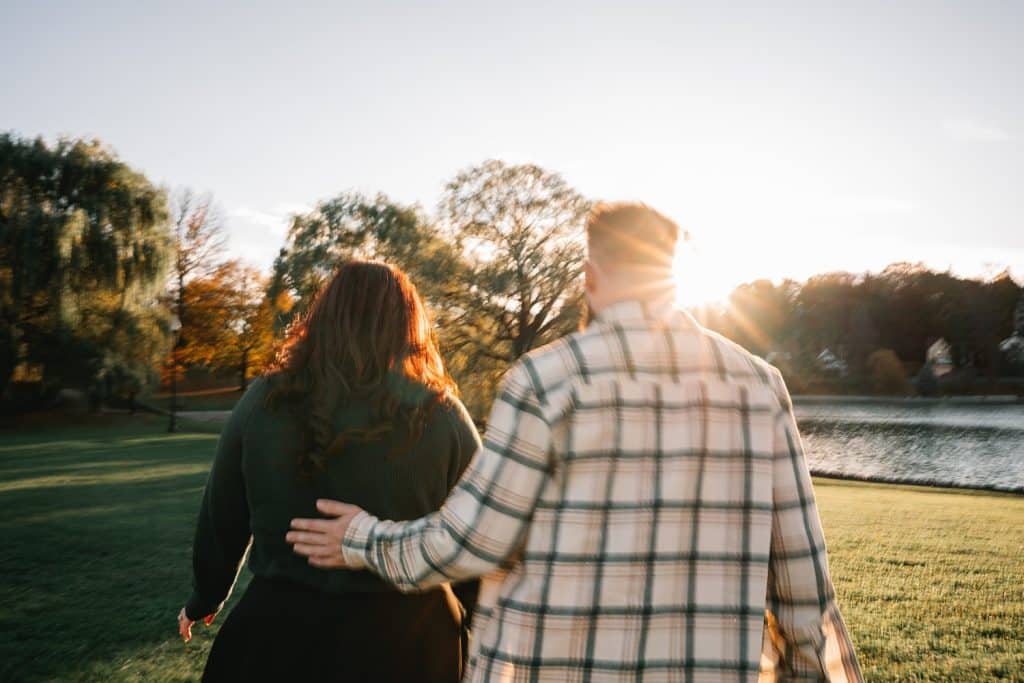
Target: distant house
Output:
[(1013, 346), (940, 355), (830, 362), (1018, 316)]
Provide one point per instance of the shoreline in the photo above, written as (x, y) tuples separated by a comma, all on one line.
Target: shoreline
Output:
[(193, 421), (830, 399), (921, 483)]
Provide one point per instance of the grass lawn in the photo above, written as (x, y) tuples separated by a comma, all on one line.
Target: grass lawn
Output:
[(98, 521)]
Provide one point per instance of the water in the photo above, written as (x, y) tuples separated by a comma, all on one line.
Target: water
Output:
[(934, 443)]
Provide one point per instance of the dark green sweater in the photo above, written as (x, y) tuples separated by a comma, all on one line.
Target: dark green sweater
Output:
[(255, 489)]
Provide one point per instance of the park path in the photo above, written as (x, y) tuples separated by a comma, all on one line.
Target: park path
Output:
[(205, 415)]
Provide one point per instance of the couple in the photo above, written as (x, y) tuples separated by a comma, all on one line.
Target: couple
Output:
[(639, 509)]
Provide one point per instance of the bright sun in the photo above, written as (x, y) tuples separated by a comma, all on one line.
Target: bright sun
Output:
[(701, 280)]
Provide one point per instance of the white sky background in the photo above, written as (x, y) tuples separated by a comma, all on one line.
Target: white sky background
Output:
[(788, 140)]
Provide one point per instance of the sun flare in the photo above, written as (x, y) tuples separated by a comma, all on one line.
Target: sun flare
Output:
[(701, 280)]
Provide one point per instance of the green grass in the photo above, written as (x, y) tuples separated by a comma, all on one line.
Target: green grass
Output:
[(98, 522), (95, 566), (931, 581)]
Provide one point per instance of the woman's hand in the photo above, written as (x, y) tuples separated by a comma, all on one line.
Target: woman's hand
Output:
[(185, 624)]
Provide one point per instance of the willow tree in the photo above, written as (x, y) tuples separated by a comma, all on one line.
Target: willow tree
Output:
[(84, 248)]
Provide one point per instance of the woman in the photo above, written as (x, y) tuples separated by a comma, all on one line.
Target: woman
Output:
[(359, 408)]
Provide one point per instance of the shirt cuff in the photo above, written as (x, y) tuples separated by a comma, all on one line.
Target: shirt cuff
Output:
[(355, 545)]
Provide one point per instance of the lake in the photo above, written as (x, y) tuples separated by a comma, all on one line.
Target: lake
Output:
[(971, 445)]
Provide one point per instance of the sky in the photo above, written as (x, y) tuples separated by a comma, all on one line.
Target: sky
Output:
[(788, 140)]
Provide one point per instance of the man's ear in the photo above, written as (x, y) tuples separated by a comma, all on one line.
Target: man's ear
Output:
[(590, 276)]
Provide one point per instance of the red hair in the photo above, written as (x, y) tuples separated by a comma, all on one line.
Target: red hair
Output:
[(367, 323)]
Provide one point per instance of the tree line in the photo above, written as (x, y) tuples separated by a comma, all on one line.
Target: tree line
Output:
[(109, 283), (903, 310)]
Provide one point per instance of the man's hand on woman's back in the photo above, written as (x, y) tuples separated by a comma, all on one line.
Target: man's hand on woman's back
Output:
[(319, 540)]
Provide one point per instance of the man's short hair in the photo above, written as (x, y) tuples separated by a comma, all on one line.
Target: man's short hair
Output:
[(631, 234)]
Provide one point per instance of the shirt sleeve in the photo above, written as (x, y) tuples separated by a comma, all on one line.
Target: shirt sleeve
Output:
[(465, 445), (486, 516), (465, 442), (807, 635), (222, 530)]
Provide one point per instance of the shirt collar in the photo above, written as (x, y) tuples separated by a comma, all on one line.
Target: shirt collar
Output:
[(636, 311)]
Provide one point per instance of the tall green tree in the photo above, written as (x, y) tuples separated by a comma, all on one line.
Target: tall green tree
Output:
[(84, 248), (761, 313), (519, 232), (353, 225), (499, 268), (519, 229)]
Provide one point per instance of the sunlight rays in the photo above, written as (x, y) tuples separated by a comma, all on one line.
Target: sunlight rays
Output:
[(700, 279)]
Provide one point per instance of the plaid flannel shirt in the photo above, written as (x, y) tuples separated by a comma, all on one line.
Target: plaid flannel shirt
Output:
[(641, 499)]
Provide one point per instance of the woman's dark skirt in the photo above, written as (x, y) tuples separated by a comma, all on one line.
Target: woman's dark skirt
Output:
[(285, 631)]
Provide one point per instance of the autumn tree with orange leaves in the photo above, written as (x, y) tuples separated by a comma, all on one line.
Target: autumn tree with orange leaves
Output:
[(230, 325)]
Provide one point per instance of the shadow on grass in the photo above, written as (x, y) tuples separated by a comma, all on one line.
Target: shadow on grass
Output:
[(97, 534)]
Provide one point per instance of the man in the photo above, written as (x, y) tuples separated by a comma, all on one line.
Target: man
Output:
[(641, 499)]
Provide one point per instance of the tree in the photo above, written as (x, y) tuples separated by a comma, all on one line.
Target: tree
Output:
[(352, 225), (499, 269), (909, 312), (83, 254), (905, 309), (231, 321), (199, 243), (519, 233), (826, 303), (249, 342), (995, 310), (927, 382), (760, 314), (887, 373), (519, 230)]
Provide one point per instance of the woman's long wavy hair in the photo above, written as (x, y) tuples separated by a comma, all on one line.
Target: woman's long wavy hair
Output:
[(364, 324)]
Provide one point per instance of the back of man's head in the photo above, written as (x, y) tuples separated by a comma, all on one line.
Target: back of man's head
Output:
[(631, 236)]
